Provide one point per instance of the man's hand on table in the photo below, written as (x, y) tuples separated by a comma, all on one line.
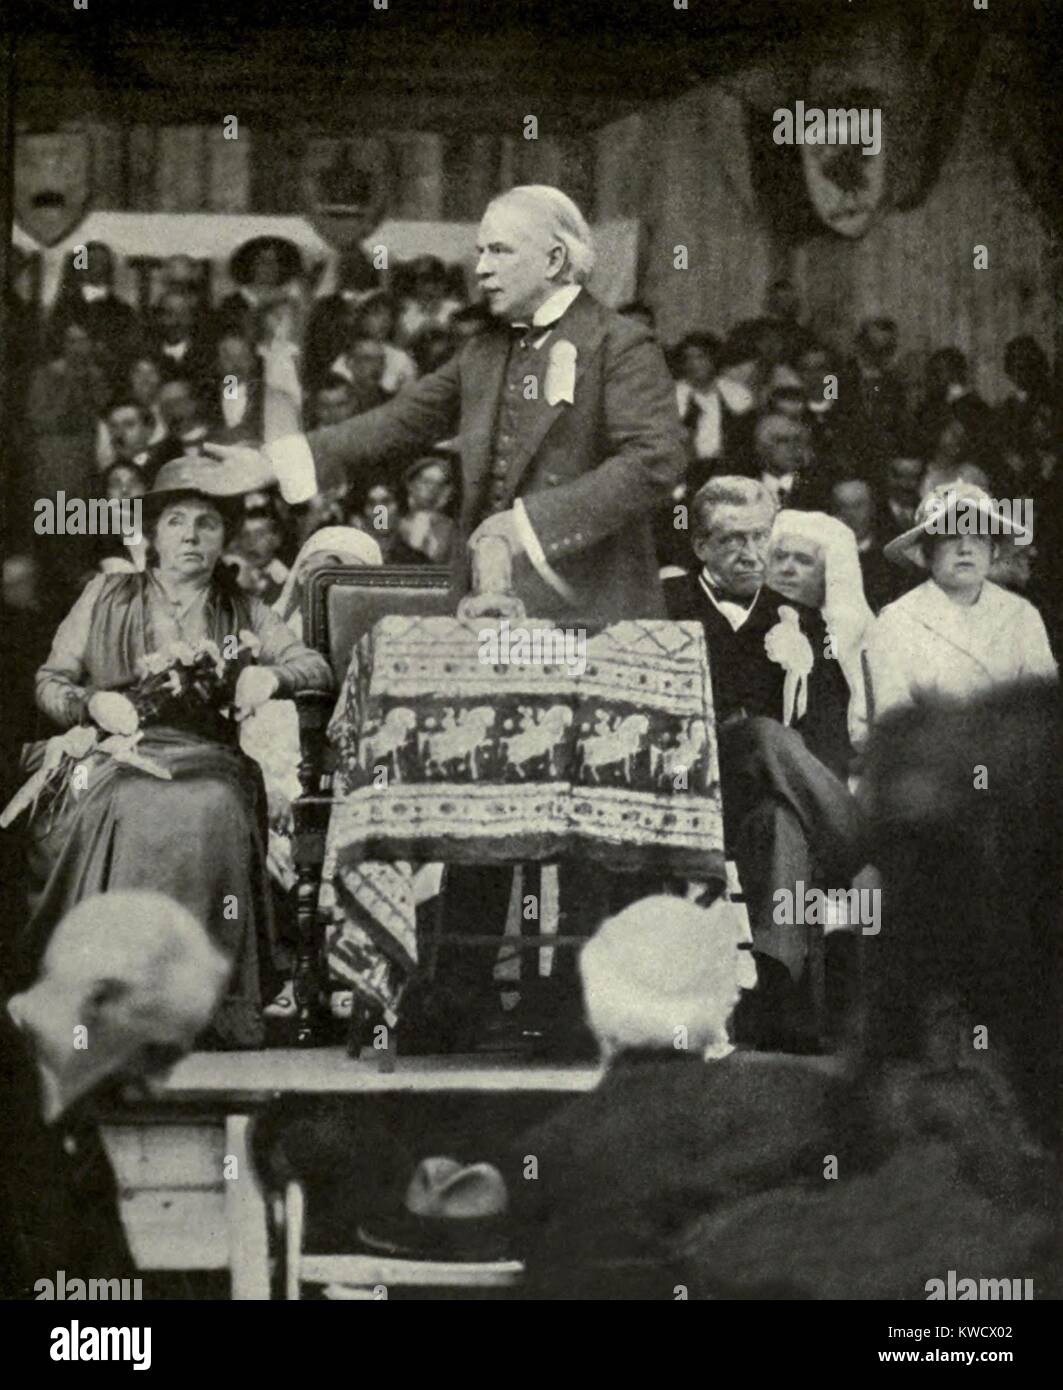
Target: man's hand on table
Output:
[(504, 526)]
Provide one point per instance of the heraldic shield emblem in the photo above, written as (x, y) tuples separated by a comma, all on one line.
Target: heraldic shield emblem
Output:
[(53, 183)]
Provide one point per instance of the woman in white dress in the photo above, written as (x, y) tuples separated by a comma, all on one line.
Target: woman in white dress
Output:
[(958, 633)]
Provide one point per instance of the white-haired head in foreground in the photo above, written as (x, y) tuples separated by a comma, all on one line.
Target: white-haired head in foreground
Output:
[(127, 983), (532, 240), (665, 974)]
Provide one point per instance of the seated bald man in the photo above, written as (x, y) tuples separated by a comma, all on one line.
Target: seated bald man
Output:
[(128, 982)]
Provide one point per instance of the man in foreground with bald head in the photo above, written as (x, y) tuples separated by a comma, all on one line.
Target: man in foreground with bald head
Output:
[(565, 414)]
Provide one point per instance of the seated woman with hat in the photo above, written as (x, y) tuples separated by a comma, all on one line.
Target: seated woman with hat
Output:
[(176, 807), (958, 634)]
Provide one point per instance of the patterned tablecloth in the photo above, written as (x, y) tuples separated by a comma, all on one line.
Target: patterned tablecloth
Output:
[(445, 756)]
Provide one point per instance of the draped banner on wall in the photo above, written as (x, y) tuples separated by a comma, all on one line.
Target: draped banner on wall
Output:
[(914, 70)]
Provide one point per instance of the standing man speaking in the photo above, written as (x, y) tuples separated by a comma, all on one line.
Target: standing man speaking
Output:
[(565, 414)]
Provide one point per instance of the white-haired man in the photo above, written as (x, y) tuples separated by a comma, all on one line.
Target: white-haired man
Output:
[(127, 983), (566, 417), (678, 1123)]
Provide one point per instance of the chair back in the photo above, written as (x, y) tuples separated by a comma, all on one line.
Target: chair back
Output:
[(342, 604)]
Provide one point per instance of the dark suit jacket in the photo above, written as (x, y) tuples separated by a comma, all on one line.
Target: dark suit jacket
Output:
[(589, 474), (744, 678), (58, 1199), (664, 1138)]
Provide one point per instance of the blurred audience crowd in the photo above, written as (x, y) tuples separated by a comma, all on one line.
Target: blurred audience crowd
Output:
[(865, 430), (105, 394)]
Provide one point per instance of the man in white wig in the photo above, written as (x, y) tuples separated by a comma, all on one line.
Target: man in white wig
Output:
[(127, 983), (814, 561), (678, 1120)]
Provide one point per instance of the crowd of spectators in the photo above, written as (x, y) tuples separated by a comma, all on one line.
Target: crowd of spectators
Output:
[(865, 433), (803, 441), (105, 394)]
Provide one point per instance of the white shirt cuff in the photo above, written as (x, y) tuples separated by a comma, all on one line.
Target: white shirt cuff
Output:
[(530, 541), (294, 465)]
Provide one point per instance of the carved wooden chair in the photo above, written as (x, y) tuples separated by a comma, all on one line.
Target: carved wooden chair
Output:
[(340, 607)]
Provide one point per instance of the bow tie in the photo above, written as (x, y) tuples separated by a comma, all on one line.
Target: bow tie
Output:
[(722, 596)]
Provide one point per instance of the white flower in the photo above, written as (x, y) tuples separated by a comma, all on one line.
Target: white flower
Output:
[(153, 664), (250, 642), (182, 652), (789, 648), (79, 741)]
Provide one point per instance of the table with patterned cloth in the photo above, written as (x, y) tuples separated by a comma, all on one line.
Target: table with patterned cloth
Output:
[(444, 754)]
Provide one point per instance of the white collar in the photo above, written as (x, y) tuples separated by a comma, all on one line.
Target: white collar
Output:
[(735, 613), (553, 306)]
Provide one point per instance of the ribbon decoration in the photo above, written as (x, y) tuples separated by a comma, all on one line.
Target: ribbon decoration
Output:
[(561, 373), (789, 648)]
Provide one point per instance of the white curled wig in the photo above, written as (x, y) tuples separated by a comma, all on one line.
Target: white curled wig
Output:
[(563, 222), (846, 613)]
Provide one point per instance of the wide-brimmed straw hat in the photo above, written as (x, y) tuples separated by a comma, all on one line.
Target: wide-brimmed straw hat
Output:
[(939, 514)]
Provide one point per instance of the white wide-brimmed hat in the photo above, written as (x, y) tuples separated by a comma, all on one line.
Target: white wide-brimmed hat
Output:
[(938, 515)]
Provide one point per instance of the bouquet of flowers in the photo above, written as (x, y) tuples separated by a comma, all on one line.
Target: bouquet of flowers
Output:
[(188, 685)]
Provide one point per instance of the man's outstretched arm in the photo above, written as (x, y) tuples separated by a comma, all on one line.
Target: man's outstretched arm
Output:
[(303, 464)]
